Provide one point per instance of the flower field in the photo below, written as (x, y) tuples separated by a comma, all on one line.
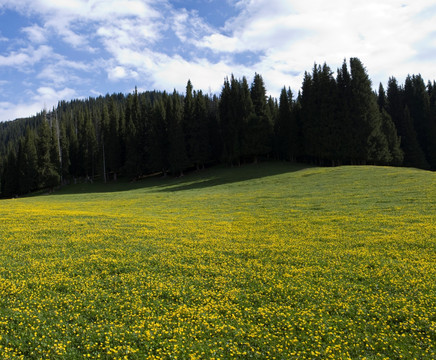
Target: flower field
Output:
[(274, 261)]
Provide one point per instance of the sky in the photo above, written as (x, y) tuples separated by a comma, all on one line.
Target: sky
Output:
[(52, 50)]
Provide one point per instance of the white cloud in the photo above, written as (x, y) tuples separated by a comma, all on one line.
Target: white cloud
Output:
[(45, 97), (292, 35), (61, 72), (26, 56), (120, 73), (11, 111), (36, 34)]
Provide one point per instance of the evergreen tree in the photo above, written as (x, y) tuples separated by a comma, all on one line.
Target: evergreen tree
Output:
[(28, 163), (389, 130), (177, 158), (215, 135), (10, 184), (283, 131), (199, 136), (55, 157), (133, 151), (48, 174), (188, 114), (243, 113), (65, 150), (371, 144), (158, 148), (74, 151), (230, 131), (394, 142), (114, 140), (400, 114), (320, 125), (105, 139), (417, 100), (260, 126), (346, 141)]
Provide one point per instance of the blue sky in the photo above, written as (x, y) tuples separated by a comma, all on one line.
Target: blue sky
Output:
[(53, 50)]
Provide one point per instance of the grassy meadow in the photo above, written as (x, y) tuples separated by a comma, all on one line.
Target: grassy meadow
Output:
[(268, 261)]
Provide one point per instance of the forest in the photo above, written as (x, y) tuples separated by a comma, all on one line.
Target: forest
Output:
[(332, 121)]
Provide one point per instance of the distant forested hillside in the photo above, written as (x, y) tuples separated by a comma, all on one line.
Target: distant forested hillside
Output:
[(331, 121)]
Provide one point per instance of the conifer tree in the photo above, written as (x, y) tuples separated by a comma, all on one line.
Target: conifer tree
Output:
[(230, 133), (48, 175), (131, 137), (9, 184), (114, 139), (188, 114), (400, 114), (158, 149), (28, 163), (346, 144), (260, 126), (65, 150), (389, 130), (417, 100), (370, 142), (177, 158), (199, 137), (283, 132)]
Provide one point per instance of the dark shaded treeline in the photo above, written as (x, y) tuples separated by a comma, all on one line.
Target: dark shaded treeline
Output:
[(333, 121)]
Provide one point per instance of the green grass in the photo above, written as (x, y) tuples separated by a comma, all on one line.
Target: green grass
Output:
[(263, 261)]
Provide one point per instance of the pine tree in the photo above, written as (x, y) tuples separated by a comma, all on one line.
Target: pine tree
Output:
[(370, 142), (131, 137), (10, 183), (48, 175), (158, 147), (417, 100), (28, 163), (188, 114), (114, 139), (400, 114), (260, 126), (199, 137), (104, 139), (65, 150), (346, 148), (230, 132), (320, 124), (394, 142), (389, 130), (177, 158), (283, 132)]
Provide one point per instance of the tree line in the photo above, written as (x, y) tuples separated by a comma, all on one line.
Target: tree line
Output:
[(333, 120)]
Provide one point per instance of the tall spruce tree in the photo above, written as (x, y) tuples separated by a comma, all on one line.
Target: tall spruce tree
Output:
[(388, 128), (188, 114), (260, 126), (346, 148), (28, 163), (177, 158), (417, 100), (229, 124), (10, 184), (370, 141), (199, 137), (48, 175), (158, 146), (400, 114), (114, 139)]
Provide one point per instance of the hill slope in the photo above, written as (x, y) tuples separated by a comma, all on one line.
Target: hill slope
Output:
[(262, 261)]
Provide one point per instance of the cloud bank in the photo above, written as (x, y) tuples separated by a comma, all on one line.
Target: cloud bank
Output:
[(77, 48)]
